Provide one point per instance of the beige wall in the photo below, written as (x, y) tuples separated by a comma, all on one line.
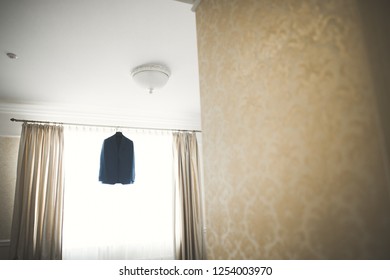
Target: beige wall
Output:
[(376, 27), (293, 164), (8, 162)]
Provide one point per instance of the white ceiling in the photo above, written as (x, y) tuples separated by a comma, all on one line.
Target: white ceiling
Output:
[(75, 59)]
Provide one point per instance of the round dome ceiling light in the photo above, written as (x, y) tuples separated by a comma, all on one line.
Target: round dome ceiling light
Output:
[(151, 76)]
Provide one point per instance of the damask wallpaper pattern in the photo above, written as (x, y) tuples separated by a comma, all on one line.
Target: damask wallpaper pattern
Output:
[(8, 163), (292, 161)]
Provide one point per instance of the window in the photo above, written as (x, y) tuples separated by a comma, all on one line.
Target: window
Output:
[(118, 221)]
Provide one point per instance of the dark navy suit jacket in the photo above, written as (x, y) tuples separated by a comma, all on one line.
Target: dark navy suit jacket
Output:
[(117, 160)]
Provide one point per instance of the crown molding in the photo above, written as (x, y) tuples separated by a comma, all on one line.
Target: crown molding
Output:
[(98, 116), (194, 3)]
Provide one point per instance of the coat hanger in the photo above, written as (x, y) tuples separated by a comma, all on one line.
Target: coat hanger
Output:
[(118, 130)]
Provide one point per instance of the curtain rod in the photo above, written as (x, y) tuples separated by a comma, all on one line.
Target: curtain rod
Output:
[(101, 125)]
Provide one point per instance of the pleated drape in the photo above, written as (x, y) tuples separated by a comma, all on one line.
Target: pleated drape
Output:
[(188, 212), (38, 208)]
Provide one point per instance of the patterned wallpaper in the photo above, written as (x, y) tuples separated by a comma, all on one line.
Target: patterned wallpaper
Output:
[(376, 27), (9, 147), (292, 161)]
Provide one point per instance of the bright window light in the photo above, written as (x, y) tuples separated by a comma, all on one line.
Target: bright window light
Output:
[(132, 221)]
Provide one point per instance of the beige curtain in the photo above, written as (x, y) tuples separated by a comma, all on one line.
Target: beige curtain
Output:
[(188, 214), (38, 209)]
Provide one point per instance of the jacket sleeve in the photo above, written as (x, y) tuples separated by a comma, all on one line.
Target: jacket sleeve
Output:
[(102, 165), (132, 165)]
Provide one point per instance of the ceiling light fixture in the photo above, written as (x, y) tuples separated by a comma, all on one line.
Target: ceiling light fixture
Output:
[(151, 76)]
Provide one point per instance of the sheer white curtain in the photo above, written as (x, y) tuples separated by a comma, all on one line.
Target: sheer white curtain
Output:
[(118, 221)]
